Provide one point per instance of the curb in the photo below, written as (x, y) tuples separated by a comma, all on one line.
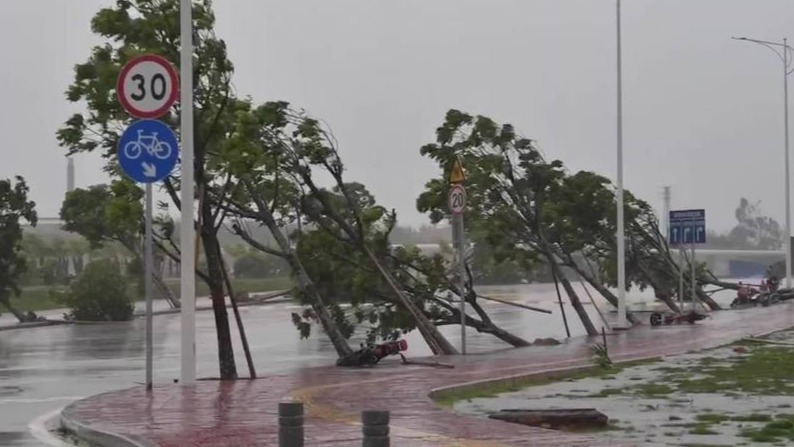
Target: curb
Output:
[(552, 373), (105, 438), (276, 299), (33, 324)]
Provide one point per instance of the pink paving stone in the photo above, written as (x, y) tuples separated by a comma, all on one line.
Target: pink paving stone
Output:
[(244, 413)]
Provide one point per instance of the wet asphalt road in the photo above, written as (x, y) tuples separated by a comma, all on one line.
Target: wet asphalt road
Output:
[(44, 369)]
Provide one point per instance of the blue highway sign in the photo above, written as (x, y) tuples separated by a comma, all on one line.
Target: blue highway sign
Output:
[(687, 227), (148, 151)]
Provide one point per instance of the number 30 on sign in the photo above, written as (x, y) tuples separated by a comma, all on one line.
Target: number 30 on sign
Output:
[(457, 199), (148, 86)]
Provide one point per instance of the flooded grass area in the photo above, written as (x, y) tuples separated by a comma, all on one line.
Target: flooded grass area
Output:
[(741, 394)]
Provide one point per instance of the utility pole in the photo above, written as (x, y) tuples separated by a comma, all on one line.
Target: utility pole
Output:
[(620, 233), (784, 52), (187, 230)]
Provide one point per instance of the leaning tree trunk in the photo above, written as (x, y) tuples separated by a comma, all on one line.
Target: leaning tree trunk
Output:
[(157, 277), (659, 292), (306, 285), (438, 344), (486, 325), (706, 299), (165, 291), (667, 300), (598, 286), (505, 336), (722, 284), (435, 340), (19, 315), (485, 328), (327, 322), (161, 285), (228, 368), (576, 303), (702, 296)]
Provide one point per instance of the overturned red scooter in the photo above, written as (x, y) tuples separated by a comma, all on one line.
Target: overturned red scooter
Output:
[(657, 319), (371, 354)]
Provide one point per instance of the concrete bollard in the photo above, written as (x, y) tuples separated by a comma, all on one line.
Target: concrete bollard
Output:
[(375, 428), (290, 424)]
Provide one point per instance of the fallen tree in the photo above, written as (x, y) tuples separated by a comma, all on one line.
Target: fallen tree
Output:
[(343, 246), (532, 210)]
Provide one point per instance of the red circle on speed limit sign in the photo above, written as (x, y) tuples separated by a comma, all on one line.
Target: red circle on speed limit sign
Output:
[(147, 86), (457, 199)]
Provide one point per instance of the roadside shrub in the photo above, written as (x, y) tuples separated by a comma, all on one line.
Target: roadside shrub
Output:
[(100, 294)]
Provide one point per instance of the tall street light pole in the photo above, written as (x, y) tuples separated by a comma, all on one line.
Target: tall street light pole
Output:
[(187, 232), (620, 233), (782, 51)]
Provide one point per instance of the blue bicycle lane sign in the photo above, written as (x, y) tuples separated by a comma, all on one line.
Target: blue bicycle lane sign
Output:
[(148, 151)]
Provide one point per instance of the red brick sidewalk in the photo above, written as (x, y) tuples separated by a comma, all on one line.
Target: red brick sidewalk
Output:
[(243, 413)]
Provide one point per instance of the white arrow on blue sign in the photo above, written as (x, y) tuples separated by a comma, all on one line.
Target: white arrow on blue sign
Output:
[(687, 227), (148, 151)]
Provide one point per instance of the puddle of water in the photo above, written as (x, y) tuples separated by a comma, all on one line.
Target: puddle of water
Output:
[(644, 406)]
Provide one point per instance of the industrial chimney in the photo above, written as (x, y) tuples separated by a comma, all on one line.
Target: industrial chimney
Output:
[(70, 175)]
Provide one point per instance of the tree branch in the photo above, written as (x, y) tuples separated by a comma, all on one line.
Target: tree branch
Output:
[(244, 235)]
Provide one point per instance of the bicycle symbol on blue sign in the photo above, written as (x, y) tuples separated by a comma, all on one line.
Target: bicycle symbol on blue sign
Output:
[(148, 151), (155, 147)]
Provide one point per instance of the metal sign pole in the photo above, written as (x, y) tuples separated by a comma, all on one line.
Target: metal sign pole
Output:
[(689, 224), (147, 87), (461, 243), (148, 273), (681, 266), (457, 206)]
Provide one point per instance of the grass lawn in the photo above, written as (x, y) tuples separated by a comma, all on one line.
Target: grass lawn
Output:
[(737, 394), (38, 298), (448, 398)]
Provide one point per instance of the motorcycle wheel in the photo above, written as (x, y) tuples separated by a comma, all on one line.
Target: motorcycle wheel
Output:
[(656, 319)]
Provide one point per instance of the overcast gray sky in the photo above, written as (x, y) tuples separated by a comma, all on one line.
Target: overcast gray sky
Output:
[(702, 113)]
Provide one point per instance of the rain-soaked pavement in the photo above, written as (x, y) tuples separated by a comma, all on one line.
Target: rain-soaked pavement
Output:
[(649, 403), (44, 369)]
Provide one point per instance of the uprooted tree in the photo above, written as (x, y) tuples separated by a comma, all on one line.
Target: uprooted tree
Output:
[(534, 211), (343, 255)]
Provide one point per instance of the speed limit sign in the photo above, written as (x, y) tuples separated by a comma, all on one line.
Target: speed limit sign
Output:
[(457, 199), (147, 86)]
